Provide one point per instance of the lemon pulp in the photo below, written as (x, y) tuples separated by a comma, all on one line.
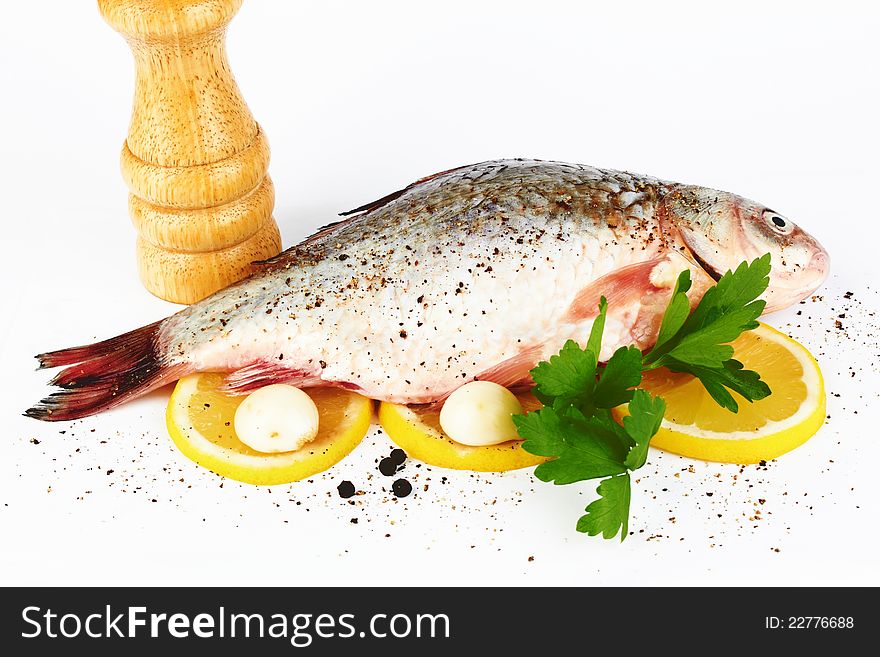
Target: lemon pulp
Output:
[(200, 422), (696, 426), (419, 434)]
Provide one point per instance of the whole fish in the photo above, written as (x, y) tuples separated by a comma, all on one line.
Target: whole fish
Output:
[(477, 272)]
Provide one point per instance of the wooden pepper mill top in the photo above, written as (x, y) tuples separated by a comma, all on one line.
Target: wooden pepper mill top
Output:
[(195, 160)]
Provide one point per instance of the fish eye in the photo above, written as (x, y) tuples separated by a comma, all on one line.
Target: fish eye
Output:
[(777, 222)]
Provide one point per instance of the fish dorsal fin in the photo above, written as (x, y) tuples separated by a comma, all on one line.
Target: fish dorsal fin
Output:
[(369, 207), (351, 215), (640, 291), (268, 262), (302, 247)]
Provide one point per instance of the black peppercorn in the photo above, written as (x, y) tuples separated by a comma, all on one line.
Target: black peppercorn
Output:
[(387, 467), (346, 489), (401, 488)]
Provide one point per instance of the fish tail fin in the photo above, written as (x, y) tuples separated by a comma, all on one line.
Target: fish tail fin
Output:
[(103, 375)]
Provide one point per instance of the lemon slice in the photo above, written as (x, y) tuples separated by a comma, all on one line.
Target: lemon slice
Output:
[(200, 421), (697, 427), (419, 434)]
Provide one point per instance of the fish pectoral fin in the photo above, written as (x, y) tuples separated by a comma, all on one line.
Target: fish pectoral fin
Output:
[(665, 273), (263, 373), (633, 285), (637, 297), (514, 372), (623, 288)]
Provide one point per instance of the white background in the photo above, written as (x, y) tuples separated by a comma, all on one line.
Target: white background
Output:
[(775, 101)]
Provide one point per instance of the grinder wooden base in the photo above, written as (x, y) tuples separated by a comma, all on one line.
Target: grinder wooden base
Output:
[(190, 277), (195, 160)]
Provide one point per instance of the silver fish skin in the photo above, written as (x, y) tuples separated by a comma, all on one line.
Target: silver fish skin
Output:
[(477, 272)]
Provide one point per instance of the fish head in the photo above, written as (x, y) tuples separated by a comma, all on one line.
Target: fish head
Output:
[(721, 230)]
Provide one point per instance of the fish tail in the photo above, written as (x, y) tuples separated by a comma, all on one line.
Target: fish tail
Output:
[(103, 375)]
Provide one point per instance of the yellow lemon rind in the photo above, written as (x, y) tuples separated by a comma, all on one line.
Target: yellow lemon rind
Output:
[(430, 446), (265, 469), (736, 447), (741, 451)]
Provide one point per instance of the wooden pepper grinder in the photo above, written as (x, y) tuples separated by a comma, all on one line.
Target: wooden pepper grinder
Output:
[(195, 160)]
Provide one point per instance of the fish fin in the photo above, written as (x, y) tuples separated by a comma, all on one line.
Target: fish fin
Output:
[(301, 248), (369, 207), (275, 259), (326, 229), (103, 375), (621, 288), (263, 373), (91, 351), (629, 285), (331, 228), (638, 295), (514, 372)]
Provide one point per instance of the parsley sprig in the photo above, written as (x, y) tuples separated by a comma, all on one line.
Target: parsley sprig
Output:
[(576, 429)]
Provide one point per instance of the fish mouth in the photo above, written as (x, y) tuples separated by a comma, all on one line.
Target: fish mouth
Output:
[(787, 290), (706, 267), (817, 271), (820, 265)]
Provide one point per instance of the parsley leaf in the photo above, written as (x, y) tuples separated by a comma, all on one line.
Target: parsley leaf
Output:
[(576, 428), (584, 448), (622, 373), (676, 312), (642, 423), (735, 290), (698, 345), (610, 513), (594, 343), (731, 375), (569, 375)]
